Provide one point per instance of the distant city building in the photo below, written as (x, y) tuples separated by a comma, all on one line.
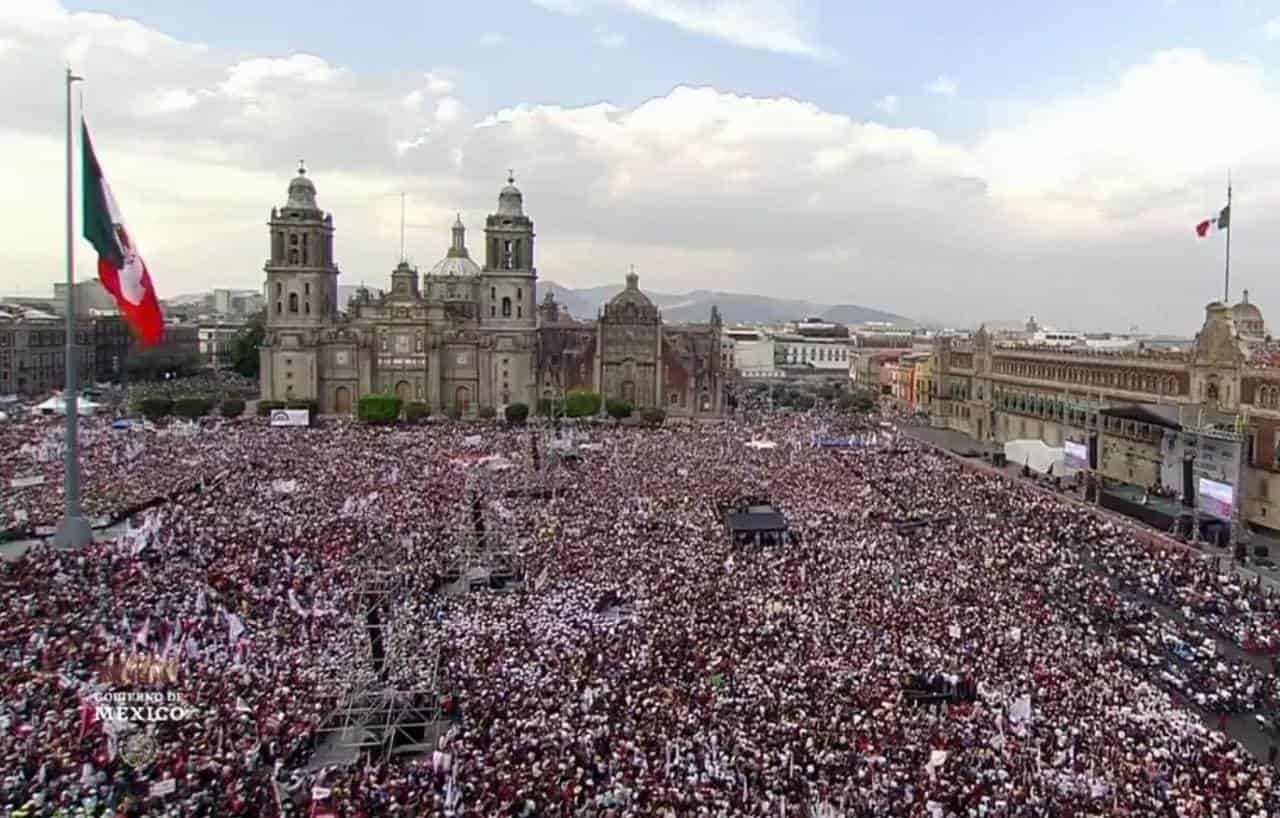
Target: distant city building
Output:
[(90, 297), (216, 338), (237, 302), (814, 353), (33, 351), (753, 353)]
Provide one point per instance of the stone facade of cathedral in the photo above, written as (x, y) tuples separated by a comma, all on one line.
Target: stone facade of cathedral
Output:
[(466, 336)]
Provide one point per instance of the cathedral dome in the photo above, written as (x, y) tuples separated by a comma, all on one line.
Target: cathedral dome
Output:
[(454, 266), (631, 305), (510, 199), (458, 261), (302, 191)]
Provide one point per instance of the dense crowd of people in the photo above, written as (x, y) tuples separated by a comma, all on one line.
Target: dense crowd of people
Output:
[(940, 642)]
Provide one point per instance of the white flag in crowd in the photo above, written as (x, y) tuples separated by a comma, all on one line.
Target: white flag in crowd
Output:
[(234, 627), (1020, 710)]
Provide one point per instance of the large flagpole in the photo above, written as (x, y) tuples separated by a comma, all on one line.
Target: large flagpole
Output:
[(1231, 217), (73, 530)]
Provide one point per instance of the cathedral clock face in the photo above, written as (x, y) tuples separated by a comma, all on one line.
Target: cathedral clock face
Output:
[(340, 358), (462, 359)]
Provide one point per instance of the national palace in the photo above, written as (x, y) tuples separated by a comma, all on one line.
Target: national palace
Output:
[(1134, 403)]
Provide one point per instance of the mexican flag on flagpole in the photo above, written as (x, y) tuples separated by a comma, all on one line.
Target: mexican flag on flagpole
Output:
[(120, 267), (1222, 220)]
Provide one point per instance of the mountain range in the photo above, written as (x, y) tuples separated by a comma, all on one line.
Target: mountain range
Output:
[(695, 306)]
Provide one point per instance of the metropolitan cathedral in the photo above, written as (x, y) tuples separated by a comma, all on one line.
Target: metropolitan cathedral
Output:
[(466, 336)]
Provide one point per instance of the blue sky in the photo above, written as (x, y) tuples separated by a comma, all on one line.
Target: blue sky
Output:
[(960, 163), (999, 54)]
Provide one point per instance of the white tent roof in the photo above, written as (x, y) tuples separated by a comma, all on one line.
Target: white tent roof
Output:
[(1037, 455), (56, 405)]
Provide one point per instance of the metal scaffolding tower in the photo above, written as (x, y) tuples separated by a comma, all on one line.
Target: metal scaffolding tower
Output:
[(486, 552), (391, 700)]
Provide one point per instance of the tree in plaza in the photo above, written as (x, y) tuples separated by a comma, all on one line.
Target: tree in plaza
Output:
[(618, 409), (581, 403), (517, 413), (378, 409), (244, 348)]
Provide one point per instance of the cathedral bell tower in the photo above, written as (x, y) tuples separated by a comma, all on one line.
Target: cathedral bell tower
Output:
[(302, 278), (509, 275)]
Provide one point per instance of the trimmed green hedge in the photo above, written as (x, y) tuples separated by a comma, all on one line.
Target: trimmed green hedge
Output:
[(378, 409), (653, 417), (486, 413), (155, 407), (517, 413), (231, 408), (581, 403), (415, 411), (192, 407), (266, 407), (618, 409)]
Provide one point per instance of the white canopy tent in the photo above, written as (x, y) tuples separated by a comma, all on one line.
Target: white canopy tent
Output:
[(1038, 456), (57, 406)]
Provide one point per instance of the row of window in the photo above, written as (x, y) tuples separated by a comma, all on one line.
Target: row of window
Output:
[(1155, 383), (797, 355)]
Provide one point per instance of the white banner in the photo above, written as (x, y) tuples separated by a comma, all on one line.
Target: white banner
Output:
[(165, 787), (291, 417), (26, 482)]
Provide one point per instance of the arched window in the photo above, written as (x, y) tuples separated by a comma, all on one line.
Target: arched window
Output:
[(519, 294), (293, 256), (506, 307), (279, 289), (306, 307), (493, 293), (279, 307), (293, 302)]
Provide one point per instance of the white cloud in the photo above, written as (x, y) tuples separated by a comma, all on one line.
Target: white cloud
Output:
[(1139, 141), (403, 146), (166, 101), (492, 39), (888, 104), (1271, 29), (413, 100), (438, 83), (943, 86), (448, 110), (767, 25), (247, 78)]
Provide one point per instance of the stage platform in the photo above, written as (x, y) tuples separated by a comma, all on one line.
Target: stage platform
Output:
[(1162, 512)]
